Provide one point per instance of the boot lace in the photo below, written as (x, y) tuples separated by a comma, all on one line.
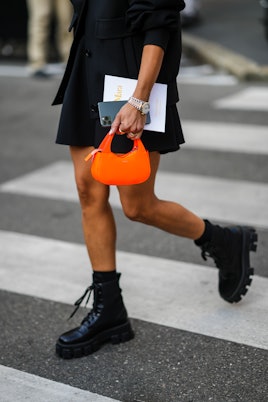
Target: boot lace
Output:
[(78, 302), (220, 259)]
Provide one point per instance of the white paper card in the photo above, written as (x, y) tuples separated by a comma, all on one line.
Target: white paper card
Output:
[(119, 88)]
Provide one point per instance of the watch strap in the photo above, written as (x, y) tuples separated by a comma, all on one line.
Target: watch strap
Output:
[(137, 103)]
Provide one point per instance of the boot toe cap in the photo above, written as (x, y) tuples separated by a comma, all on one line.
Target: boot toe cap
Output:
[(72, 337)]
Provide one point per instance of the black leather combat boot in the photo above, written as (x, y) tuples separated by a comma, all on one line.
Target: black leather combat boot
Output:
[(230, 249), (107, 321)]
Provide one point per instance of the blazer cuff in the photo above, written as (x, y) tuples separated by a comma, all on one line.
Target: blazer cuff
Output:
[(158, 37)]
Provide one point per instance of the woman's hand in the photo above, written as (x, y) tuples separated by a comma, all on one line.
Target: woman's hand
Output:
[(129, 121)]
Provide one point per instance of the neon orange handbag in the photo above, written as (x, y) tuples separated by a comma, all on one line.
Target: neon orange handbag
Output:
[(124, 169)]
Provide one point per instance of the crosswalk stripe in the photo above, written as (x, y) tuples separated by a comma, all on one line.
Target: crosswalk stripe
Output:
[(220, 199), (204, 75), (13, 71), (249, 139), (200, 75), (22, 71), (19, 386), (165, 292), (252, 98)]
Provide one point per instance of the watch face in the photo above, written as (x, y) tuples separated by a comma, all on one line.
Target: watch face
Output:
[(145, 108)]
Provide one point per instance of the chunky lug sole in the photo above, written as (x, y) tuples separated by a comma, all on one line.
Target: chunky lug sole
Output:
[(249, 243), (114, 335)]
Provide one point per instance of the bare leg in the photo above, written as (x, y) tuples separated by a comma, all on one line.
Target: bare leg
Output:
[(140, 203), (97, 217)]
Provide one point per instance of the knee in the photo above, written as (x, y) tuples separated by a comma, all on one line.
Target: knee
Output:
[(86, 195), (83, 189), (91, 194), (135, 211)]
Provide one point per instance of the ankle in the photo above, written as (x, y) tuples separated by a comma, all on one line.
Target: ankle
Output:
[(104, 276), (207, 234)]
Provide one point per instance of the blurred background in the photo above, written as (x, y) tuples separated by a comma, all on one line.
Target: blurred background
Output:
[(190, 344), (210, 18), (14, 31)]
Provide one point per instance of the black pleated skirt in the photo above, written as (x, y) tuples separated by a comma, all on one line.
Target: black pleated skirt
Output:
[(77, 128)]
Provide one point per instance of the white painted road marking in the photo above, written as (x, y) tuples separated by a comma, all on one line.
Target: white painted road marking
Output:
[(252, 98), (200, 75), (22, 71), (165, 292), (225, 137), (204, 75), (19, 386), (210, 197)]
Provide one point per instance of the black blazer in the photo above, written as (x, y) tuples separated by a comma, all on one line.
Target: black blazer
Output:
[(115, 32)]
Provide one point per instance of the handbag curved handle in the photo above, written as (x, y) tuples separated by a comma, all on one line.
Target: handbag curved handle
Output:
[(106, 143)]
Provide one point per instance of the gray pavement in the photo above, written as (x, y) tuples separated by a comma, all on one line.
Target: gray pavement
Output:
[(164, 363), (161, 364), (231, 37)]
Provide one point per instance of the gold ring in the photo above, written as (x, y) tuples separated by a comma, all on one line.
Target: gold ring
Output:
[(132, 134), (121, 131)]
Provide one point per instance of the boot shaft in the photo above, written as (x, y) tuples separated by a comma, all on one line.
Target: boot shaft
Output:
[(108, 300)]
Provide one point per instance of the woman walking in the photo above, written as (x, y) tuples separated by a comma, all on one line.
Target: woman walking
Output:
[(141, 40)]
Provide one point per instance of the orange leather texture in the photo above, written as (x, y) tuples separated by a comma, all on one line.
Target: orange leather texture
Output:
[(124, 169)]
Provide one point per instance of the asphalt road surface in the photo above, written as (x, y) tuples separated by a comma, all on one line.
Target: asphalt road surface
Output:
[(190, 345)]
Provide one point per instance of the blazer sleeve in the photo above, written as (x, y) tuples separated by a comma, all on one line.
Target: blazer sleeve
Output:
[(157, 19)]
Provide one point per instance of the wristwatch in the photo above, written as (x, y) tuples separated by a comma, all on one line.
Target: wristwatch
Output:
[(142, 106)]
